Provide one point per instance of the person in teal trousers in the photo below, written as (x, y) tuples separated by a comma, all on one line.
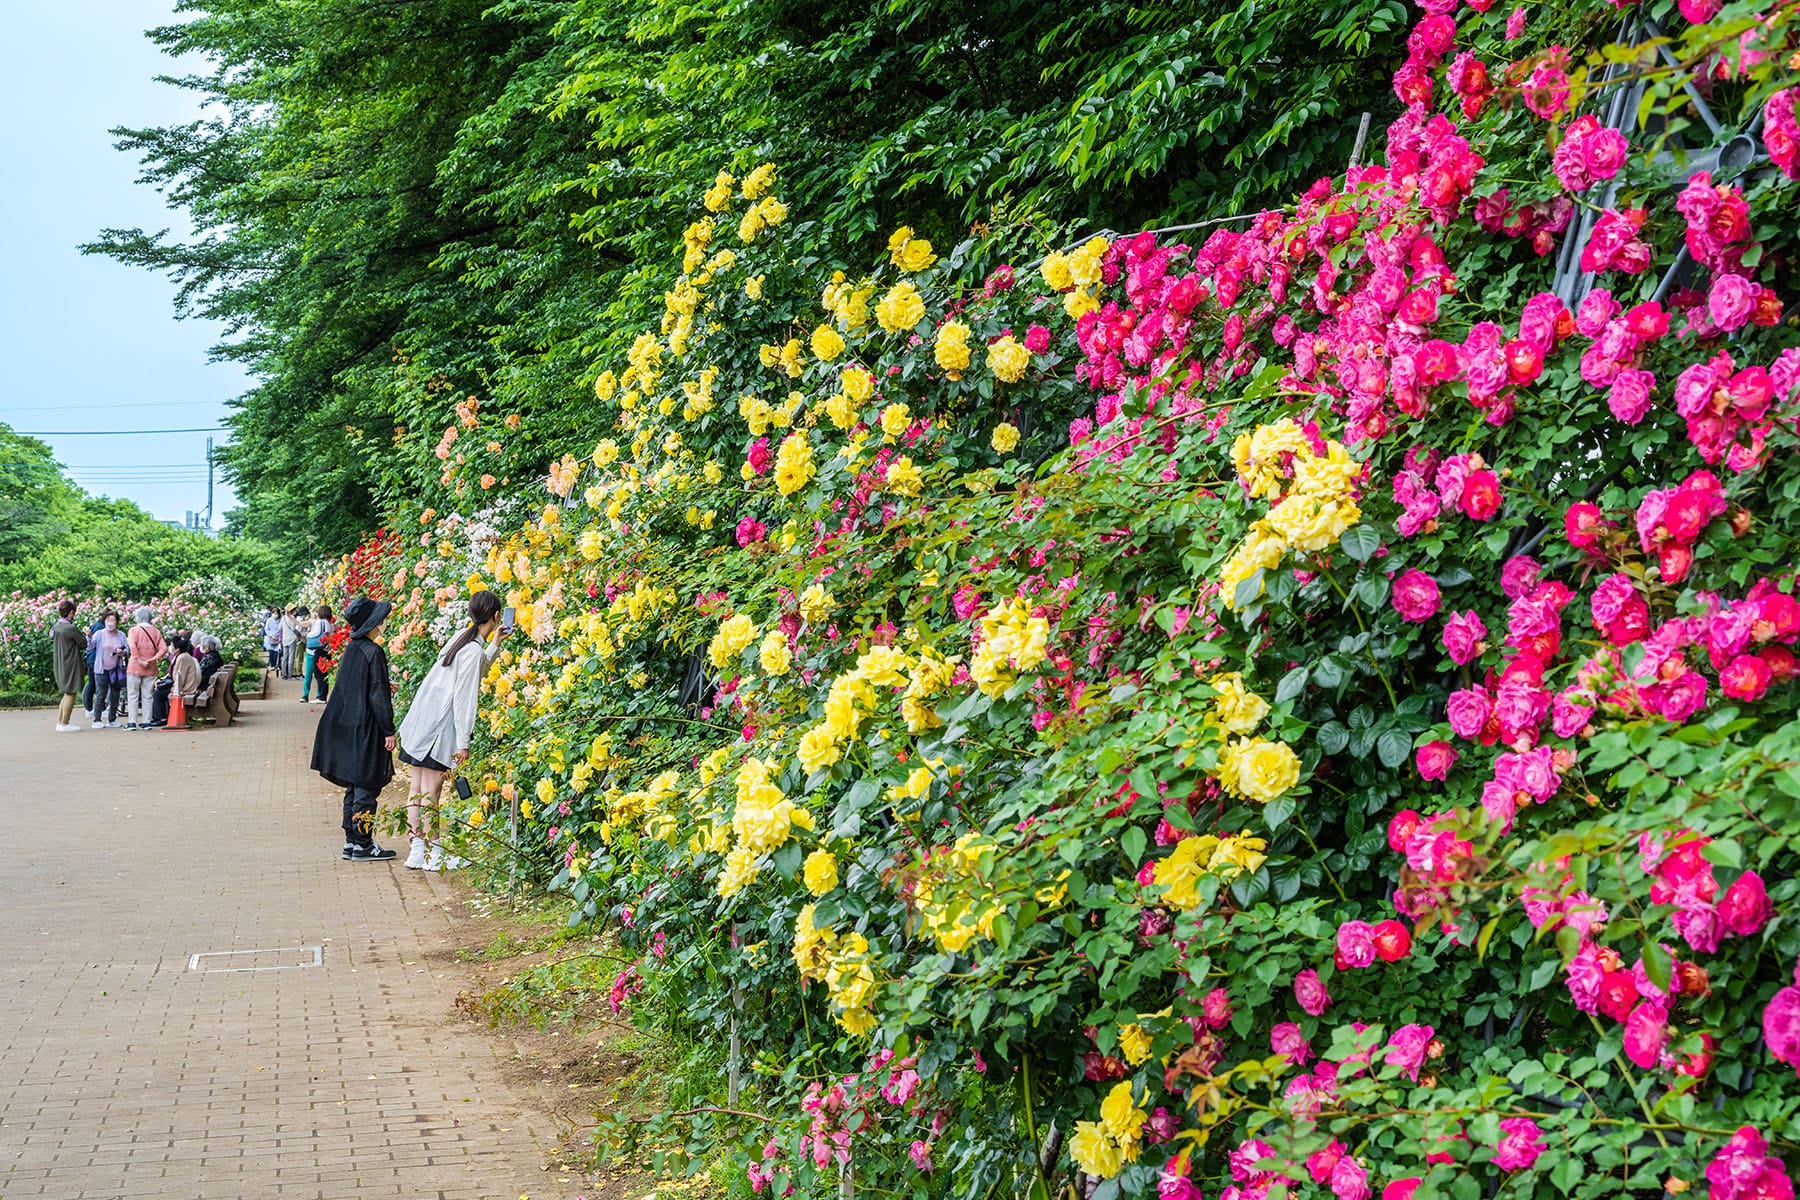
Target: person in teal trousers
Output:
[(315, 650)]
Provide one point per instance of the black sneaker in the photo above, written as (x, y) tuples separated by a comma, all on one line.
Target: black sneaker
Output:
[(369, 853)]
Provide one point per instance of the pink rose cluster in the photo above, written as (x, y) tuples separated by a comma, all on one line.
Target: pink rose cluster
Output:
[(1610, 360), (1730, 411), (1743, 1169), (1682, 877), (1671, 520), (1614, 245), (1589, 153), (1781, 1023), (1781, 133), (1522, 777), (1540, 220), (1435, 857)]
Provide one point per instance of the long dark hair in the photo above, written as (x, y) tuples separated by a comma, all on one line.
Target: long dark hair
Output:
[(483, 607)]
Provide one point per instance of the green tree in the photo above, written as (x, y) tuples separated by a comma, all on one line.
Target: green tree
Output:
[(37, 502)]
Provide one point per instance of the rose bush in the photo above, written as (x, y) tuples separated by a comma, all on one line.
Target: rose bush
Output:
[(1312, 707)]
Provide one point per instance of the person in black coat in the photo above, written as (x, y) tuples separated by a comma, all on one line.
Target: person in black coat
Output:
[(353, 748)]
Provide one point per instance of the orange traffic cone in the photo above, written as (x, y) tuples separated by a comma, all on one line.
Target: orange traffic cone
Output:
[(177, 713)]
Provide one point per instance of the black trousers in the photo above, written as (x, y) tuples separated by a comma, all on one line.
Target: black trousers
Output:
[(359, 815), (109, 696)]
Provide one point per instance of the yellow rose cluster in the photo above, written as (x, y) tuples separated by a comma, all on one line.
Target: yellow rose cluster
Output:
[(735, 633), (842, 963), (794, 467), (1007, 359), (952, 349), (1102, 1148), (1076, 275), (763, 820), (1313, 511), (1011, 640), (1202, 855)]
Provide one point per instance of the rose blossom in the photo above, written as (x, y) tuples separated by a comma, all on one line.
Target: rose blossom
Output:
[(1745, 908), (1520, 1144), (1287, 1039), (1462, 636), (1781, 1025), (1355, 944), (1745, 677), (1629, 395), (1415, 596), (1349, 1181), (1309, 990), (1434, 760), (1480, 498), (1646, 1029), (1392, 941), (1406, 1049)]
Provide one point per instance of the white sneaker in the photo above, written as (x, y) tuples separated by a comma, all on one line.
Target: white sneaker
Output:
[(436, 861), (415, 861), (68, 728), (112, 724)]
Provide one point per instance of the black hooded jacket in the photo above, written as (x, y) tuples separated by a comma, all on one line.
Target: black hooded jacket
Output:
[(349, 749)]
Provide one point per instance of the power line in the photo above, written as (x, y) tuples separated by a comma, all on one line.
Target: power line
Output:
[(109, 432)]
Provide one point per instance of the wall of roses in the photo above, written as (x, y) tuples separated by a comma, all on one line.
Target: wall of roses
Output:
[(1305, 708)]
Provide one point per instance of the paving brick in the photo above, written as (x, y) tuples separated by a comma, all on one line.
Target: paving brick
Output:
[(124, 1073)]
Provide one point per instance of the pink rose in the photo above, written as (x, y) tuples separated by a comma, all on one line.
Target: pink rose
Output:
[(1286, 1039), (1646, 1030), (1403, 1189), (1629, 395), (1406, 1049), (1037, 339), (1355, 944), (1603, 152), (1462, 636), (1309, 991), (1683, 697), (1781, 1026), (1745, 677), (1732, 301), (1216, 1008), (1415, 596), (1745, 908), (1520, 1144), (1434, 760), (1744, 1169), (1468, 711), (1349, 1181), (1480, 497)]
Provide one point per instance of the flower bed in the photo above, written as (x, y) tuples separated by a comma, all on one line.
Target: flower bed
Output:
[(1306, 707)]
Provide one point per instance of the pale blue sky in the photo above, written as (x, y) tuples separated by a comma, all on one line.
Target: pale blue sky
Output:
[(88, 343)]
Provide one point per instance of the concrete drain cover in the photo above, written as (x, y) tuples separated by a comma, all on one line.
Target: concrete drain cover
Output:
[(282, 958)]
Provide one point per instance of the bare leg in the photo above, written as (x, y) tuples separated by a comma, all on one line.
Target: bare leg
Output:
[(426, 784)]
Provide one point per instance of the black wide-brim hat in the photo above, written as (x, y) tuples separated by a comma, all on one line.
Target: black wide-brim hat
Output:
[(365, 614)]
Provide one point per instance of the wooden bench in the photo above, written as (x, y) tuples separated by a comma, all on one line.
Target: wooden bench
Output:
[(218, 701)]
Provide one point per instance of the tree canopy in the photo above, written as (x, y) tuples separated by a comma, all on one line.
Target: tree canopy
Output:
[(399, 204)]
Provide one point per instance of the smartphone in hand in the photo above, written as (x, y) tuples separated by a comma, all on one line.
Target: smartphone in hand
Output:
[(508, 619)]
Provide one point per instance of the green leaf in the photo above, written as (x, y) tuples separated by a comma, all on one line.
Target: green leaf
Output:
[(1291, 684), (1393, 747), (1132, 842), (1360, 542)]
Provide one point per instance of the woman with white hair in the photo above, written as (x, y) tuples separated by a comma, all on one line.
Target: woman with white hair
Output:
[(146, 648)]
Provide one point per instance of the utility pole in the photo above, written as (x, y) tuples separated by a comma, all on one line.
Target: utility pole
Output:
[(209, 482)]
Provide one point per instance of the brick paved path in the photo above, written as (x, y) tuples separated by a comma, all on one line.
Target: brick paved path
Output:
[(125, 1073)]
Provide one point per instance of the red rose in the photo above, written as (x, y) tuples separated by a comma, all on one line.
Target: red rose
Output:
[(1745, 677), (1392, 941), (1618, 994), (1674, 559), (1481, 495)]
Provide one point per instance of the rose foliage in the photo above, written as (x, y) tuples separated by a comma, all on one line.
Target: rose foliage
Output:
[(1303, 707)]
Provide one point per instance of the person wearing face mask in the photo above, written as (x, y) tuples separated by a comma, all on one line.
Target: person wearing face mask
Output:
[(110, 654), (435, 734)]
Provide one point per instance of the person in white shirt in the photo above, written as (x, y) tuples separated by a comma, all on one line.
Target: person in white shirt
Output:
[(272, 636), (434, 735)]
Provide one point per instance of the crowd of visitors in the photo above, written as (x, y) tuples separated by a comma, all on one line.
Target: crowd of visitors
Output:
[(130, 676)]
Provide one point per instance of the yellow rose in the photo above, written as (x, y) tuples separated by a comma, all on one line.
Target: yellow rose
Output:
[(952, 348), (753, 287), (820, 872), (1134, 1043), (794, 467), (901, 309), (1094, 1152), (1005, 437), (904, 479), (1008, 360), (894, 419), (1122, 1118), (859, 385), (815, 603), (775, 656), (826, 343), (1258, 770), (818, 749), (1236, 707)]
